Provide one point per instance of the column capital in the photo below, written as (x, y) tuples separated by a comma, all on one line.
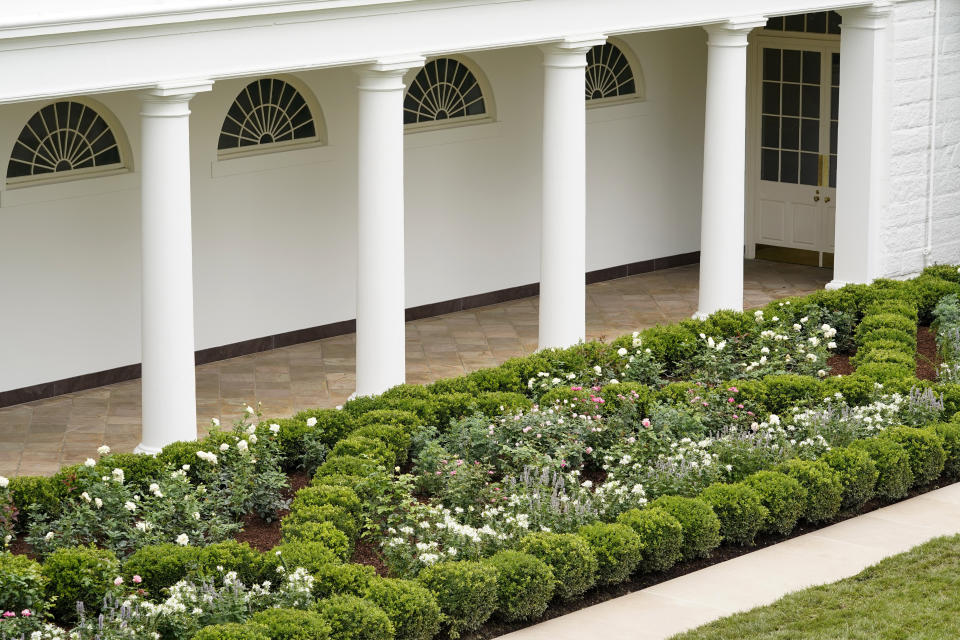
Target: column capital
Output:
[(171, 99), (872, 16), (571, 51), (386, 74), (733, 32)]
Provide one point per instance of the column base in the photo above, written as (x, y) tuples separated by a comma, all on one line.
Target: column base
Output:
[(145, 449), (700, 315), (833, 285)]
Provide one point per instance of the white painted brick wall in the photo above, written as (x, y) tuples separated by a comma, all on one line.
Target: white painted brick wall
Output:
[(903, 229)]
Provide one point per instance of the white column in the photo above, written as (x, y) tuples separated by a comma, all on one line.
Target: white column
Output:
[(724, 144), (862, 142), (169, 388), (381, 338), (563, 225)]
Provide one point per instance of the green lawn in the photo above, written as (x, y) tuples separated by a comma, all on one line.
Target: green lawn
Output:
[(912, 595)]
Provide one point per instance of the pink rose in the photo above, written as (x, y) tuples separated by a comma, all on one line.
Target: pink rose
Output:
[(118, 581), (26, 613), (645, 422), (8, 614), (137, 579)]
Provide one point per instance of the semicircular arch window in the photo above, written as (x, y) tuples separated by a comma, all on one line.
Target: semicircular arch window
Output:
[(267, 111), (608, 74), (443, 89), (64, 136)]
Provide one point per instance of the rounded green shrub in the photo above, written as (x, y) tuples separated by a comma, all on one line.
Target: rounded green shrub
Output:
[(525, 585), (560, 396), (670, 344), (232, 556), (396, 437), (789, 390), (949, 433), (569, 556), (858, 475), (180, 453), (331, 424), (22, 584), (899, 306), (884, 356), (824, 489), (160, 566), (495, 403), (303, 515), (78, 574), (334, 579), (885, 373), (397, 417), (739, 509), (320, 494), (347, 466), (701, 527), (617, 549), (325, 533), (292, 624), (906, 338), (661, 537), (894, 476), (27, 491), (783, 497), (465, 591), (923, 447), (362, 447), (856, 390), (293, 555), (353, 618), (410, 606), (233, 631), (884, 321)]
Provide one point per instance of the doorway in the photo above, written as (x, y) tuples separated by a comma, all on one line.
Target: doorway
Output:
[(792, 149)]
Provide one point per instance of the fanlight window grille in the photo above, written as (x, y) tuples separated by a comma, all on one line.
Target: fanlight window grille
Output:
[(267, 111), (63, 136), (443, 89), (608, 73)]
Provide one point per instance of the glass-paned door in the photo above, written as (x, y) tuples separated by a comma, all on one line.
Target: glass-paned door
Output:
[(799, 90)]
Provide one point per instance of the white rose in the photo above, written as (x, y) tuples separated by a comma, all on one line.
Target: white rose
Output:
[(215, 421), (103, 450), (224, 447), (311, 422), (242, 446), (98, 502), (89, 462), (250, 410), (85, 496), (253, 438), (183, 540), (130, 506), (621, 351), (4, 482), (597, 369)]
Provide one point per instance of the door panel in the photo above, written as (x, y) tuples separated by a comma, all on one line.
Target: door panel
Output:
[(799, 86)]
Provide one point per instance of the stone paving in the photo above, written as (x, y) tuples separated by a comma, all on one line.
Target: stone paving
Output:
[(762, 577), (38, 437)]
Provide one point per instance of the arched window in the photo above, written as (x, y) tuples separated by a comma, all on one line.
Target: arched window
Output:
[(65, 136), (610, 74), (269, 111), (442, 90)]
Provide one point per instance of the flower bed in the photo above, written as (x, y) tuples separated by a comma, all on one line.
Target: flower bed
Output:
[(502, 492)]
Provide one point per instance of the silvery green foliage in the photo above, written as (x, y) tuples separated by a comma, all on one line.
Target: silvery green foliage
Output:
[(839, 424), (922, 406), (946, 324)]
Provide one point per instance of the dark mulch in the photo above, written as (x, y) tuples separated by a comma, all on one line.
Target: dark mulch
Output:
[(927, 359), (365, 552), (495, 628), (262, 535), (839, 365)]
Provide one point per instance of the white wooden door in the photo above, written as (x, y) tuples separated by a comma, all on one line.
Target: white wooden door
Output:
[(796, 159)]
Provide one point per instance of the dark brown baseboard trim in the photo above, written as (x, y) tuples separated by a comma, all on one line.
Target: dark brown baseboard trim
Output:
[(256, 345)]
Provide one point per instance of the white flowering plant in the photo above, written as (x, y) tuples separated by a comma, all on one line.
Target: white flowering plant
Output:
[(115, 515), (242, 467)]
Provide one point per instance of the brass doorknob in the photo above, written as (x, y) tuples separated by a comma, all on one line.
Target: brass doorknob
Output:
[(827, 199), (816, 198)]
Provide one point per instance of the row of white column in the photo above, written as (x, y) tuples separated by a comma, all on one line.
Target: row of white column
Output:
[(169, 394)]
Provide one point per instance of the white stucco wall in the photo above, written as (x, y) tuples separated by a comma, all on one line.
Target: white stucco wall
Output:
[(903, 234), (274, 235)]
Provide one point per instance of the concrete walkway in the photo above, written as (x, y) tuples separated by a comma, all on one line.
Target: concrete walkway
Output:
[(761, 577)]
